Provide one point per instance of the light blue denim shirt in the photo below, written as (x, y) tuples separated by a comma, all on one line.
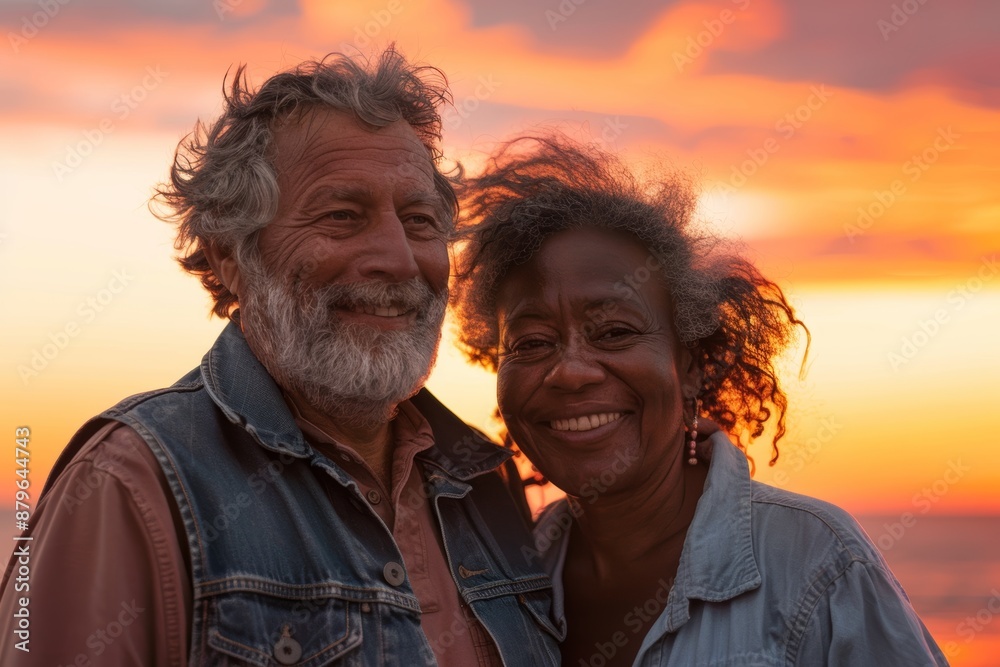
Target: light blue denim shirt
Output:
[(766, 577)]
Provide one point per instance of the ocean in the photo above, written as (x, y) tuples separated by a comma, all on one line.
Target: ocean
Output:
[(950, 569)]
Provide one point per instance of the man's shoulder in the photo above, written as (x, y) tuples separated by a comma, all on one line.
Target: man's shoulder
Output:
[(107, 443), (112, 462), (191, 381), (108, 436)]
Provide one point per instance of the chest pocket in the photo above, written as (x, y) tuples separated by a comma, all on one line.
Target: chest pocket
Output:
[(257, 629)]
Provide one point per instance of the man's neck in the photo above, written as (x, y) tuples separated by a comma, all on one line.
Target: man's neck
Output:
[(372, 441)]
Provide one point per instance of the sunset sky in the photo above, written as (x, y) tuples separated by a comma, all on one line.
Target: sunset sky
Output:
[(852, 146)]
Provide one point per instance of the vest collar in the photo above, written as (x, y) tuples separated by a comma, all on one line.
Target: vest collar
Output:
[(459, 450), (249, 397)]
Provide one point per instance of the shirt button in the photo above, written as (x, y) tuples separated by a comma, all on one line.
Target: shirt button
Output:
[(393, 573), (287, 651), (374, 497)]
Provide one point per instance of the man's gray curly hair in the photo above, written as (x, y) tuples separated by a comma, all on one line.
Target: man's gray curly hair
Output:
[(223, 187)]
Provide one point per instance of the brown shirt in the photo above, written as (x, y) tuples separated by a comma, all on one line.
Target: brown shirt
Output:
[(110, 585)]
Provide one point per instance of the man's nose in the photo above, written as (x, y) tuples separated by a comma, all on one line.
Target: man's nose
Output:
[(389, 256)]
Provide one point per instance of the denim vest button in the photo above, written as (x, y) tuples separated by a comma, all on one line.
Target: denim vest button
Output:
[(374, 497), (287, 651), (393, 573)]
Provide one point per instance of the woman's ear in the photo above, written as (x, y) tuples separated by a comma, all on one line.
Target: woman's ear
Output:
[(224, 266), (689, 372)]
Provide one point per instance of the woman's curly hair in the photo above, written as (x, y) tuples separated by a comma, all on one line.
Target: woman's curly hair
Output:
[(734, 321)]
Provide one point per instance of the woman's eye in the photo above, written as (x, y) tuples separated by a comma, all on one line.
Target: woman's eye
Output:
[(527, 346), (614, 333)]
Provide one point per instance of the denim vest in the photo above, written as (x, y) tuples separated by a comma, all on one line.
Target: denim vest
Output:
[(291, 569)]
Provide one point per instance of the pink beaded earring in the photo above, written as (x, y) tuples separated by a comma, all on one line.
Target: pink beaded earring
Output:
[(693, 431)]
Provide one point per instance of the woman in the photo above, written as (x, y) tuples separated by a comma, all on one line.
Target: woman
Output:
[(614, 328)]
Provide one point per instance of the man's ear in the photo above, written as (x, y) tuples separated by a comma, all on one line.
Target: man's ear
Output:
[(224, 267)]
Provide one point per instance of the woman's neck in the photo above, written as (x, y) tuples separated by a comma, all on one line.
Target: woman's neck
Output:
[(645, 524)]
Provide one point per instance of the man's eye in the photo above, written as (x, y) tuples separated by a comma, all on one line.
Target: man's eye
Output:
[(421, 220), (341, 216)]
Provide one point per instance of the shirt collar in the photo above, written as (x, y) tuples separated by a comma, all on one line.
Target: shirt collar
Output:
[(460, 450), (410, 434), (717, 560)]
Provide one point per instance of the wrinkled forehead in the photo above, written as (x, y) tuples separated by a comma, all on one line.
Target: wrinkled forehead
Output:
[(320, 135), (586, 265), (589, 254)]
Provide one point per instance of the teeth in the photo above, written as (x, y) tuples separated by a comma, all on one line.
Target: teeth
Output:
[(585, 423), (380, 311)]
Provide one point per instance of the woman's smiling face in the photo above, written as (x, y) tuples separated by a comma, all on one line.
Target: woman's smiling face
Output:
[(592, 378)]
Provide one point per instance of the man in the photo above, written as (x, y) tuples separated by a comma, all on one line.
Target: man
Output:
[(288, 502)]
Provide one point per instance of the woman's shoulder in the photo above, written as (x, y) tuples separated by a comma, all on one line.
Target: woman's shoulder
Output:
[(794, 521)]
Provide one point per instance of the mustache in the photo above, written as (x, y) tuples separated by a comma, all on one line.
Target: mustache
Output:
[(413, 294)]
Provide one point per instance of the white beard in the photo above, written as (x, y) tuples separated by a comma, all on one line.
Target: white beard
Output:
[(351, 372)]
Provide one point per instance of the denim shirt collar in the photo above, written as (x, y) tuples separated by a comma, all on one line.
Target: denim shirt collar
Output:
[(717, 561), (247, 394)]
